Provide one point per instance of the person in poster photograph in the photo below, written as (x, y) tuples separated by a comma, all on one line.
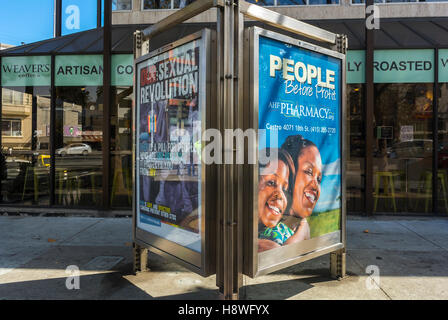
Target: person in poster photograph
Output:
[(285, 191), (307, 182)]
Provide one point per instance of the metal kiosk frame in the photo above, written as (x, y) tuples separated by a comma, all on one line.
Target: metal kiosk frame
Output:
[(227, 91), (255, 263)]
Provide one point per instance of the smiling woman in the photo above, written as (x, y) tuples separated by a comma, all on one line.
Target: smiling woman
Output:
[(307, 186), (274, 181)]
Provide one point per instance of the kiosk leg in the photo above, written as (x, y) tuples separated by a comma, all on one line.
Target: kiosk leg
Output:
[(140, 259), (337, 264)]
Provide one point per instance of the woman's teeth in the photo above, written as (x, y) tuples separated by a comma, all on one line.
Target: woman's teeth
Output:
[(310, 196), (275, 209)]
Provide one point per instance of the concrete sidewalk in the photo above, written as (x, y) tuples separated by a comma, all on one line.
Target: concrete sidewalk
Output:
[(411, 254)]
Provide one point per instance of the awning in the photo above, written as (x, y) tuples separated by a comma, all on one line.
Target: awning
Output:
[(393, 34)]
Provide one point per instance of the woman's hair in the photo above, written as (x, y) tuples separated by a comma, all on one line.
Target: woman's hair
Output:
[(294, 146), (282, 155)]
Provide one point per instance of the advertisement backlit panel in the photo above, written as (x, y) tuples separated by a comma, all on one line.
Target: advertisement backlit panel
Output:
[(297, 193), (171, 104)]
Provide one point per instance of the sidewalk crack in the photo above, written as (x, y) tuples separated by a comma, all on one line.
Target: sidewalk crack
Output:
[(361, 267), (76, 234), (432, 242)]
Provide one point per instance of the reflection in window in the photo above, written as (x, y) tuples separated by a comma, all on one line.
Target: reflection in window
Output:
[(263, 2), (121, 148), (174, 4), (11, 128), (25, 169), (15, 97), (323, 2), (355, 172), (157, 4), (392, 1), (181, 3), (121, 5), (442, 161), (78, 142)]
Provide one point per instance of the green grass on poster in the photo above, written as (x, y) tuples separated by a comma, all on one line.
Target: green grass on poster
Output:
[(324, 222)]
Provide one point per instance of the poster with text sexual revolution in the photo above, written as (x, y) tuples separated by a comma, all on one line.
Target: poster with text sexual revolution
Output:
[(168, 146)]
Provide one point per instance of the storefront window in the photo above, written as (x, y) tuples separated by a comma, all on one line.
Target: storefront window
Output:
[(78, 141), (402, 150), (121, 148), (25, 174), (442, 161), (355, 172)]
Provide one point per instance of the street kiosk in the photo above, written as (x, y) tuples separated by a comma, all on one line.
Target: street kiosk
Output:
[(207, 210)]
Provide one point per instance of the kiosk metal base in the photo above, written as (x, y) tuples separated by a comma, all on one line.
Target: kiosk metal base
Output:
[(140, 258), (338, 264)]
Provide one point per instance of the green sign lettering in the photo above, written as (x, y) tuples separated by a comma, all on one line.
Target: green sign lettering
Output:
[(443, 65), (26, 71), (393, 66), (356, 66), (85, 70), (122, 70)]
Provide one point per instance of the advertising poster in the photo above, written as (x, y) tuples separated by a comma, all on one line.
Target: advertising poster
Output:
[(170, 105), (299, 189)]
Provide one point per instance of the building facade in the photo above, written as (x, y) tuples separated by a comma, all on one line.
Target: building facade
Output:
[(57, 129)]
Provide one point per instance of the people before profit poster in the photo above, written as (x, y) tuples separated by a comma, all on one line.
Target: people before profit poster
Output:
[(299, 189), (168, 146)]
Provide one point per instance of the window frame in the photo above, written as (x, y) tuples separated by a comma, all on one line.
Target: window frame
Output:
[(170, 8), (11, 120), (275, 5), (24, 100), (123, 10)]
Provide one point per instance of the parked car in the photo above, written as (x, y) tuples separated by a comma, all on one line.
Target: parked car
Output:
[(74, 148)]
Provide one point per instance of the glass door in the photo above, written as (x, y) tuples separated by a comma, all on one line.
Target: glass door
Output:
[(25, 167), (402, 150)]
